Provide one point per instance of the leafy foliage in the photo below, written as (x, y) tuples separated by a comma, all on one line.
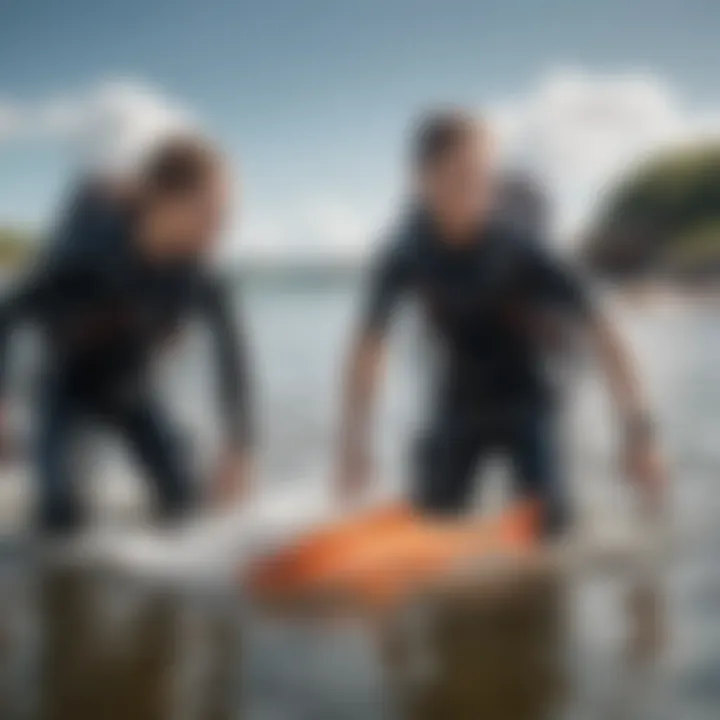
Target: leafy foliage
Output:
[(16, 247), (663, 219)]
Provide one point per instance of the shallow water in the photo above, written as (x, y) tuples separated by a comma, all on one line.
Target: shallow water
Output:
[(78, 642), (81, 644)]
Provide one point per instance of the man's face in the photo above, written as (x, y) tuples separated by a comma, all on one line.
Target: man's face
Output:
[(456, 186), (189, 224)]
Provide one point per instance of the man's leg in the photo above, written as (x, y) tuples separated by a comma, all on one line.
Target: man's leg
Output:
[(153, 440), (57, 462), (537, 457), (445, 465)]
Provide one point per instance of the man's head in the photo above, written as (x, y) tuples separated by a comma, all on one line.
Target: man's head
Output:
[(182, 198), (451, 162)]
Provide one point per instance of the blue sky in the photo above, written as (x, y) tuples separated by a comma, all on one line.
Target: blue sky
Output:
[(313, 98)]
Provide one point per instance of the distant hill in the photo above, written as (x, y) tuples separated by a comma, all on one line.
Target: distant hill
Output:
[(16, 247), (662, 221)]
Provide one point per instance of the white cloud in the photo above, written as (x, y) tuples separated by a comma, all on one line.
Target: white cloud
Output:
[(577, 131), (328, 227), (335, 224), (109, 124), (122, 119), (10, 118)]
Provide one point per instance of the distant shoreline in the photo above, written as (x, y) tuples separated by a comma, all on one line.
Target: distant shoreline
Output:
[(305, 273), (662, 292), (321, 273)]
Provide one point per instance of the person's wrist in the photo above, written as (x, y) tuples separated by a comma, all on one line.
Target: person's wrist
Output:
[(354, 458), (233, 471), (639, 429), (233, 449)]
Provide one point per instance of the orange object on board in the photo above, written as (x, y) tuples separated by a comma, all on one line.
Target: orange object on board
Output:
[(386, 554), (311, 556)]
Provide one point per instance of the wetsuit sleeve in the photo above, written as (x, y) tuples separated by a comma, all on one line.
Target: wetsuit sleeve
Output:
[(388, 281), (554, 281), (221, 310)]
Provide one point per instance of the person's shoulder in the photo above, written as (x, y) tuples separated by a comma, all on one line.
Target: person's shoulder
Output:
[(520, 243), (512, 233), (94, 218), (97, 193), (401, 244)]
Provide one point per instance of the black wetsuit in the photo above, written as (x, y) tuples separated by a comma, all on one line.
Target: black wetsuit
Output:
[(487, 304), (104, 311)]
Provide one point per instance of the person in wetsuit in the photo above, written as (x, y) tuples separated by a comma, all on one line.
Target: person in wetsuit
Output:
[(122, 273), (488, 290)]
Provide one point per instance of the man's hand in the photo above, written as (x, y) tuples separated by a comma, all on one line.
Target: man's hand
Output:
[(353, 476), (6, 444), (645, 465), (231, 481), (643, 460), (365, 363)]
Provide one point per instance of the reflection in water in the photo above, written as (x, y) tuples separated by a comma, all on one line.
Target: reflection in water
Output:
[(647, 631), (80, 645), (20, 637), (77, 645), (502, 656)]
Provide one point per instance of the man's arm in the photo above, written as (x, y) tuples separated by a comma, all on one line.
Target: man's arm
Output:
[(643, 458), (363, 372), (233, 473), (559, 283), (388, 281)]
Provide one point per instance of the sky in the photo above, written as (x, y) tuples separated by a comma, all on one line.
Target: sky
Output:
[(312, 100)]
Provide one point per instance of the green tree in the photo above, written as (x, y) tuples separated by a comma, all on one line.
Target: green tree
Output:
[(662, 220), (16, 247)]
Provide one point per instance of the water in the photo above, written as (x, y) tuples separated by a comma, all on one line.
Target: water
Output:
[(79, 642)]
